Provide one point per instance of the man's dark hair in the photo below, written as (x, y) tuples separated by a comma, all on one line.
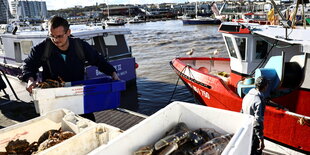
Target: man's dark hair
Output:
[(261, 82), (57, 21)]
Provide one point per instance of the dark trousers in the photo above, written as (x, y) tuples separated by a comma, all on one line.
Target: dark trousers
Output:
[(255, 146), (89, 116)]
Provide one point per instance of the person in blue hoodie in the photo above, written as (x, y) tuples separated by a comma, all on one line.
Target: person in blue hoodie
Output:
[(254, 104), (59, 57)]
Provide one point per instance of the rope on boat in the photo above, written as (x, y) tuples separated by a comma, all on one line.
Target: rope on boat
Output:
[(175, 87)]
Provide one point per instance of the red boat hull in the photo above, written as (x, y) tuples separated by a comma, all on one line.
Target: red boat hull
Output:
[(216, 92)]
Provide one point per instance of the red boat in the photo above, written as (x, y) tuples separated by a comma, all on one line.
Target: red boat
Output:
[(256, 50), (259, 18)]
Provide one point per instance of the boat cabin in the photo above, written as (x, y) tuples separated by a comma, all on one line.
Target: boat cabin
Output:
[(256, 50), (110, 43)]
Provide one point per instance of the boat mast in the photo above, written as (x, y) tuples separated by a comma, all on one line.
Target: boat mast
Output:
[(17, 7), (303, 15), (196, 10), (7, 12), (108, 10)]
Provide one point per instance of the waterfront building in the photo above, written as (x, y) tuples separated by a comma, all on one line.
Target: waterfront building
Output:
[(24, 9), (128, 10), (189, 9), (5, 11)]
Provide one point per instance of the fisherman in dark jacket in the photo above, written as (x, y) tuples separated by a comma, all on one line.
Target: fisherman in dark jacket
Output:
[(64, 60), (254, 104)]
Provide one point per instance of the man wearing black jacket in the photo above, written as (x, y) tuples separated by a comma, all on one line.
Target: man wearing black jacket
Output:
[(64, 60)]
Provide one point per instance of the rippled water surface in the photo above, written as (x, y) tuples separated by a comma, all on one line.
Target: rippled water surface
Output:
[(154, 45)]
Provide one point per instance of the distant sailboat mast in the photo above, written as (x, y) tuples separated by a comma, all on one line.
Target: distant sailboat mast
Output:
[(196, 10), (108, 9)]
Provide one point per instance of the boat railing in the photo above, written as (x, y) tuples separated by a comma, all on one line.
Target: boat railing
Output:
[(299, 116)]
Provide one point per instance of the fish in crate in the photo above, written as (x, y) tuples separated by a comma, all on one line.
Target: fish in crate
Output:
[(181, 140)]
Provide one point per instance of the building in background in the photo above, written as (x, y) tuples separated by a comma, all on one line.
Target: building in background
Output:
[(5, 11), (29, 10)]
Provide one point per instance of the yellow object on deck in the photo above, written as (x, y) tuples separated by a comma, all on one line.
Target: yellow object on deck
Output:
[(270, 16)]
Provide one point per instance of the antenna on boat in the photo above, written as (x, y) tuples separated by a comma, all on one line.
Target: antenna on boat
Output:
[(286, 24)]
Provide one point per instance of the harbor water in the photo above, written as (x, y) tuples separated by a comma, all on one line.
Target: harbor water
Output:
[(154, 45)]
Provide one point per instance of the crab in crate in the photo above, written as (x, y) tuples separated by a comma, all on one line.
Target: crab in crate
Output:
[(49, 83), (21, 147), (46, 140), (53, 137)]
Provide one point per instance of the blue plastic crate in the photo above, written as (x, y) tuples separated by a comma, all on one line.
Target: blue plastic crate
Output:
[(81, 97), (101, 94)]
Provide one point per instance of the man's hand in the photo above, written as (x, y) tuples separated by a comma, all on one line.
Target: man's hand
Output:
[(31, 84), (261, 145), (115, 76)]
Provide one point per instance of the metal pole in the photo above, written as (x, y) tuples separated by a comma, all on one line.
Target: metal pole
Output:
[(6, 78)]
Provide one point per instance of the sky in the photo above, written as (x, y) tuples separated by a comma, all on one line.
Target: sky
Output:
[(58, 4)]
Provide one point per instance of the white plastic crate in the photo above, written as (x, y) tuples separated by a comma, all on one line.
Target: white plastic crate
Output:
[(89, 135), (195, 116)]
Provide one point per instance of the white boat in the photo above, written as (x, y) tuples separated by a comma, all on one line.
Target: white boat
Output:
[(115, 21), (135, 20), (111, 43)]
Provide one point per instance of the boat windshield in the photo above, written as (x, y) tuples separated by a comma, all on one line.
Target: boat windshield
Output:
[(261, 49), (241, 43), (230, 46)]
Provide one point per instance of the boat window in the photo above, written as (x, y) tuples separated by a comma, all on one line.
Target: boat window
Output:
[(26, 46), (99, 45), (90, 41), (230, 46), (261, 49), (115, 47), (110, 40), (241, 43), (17, 52)]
